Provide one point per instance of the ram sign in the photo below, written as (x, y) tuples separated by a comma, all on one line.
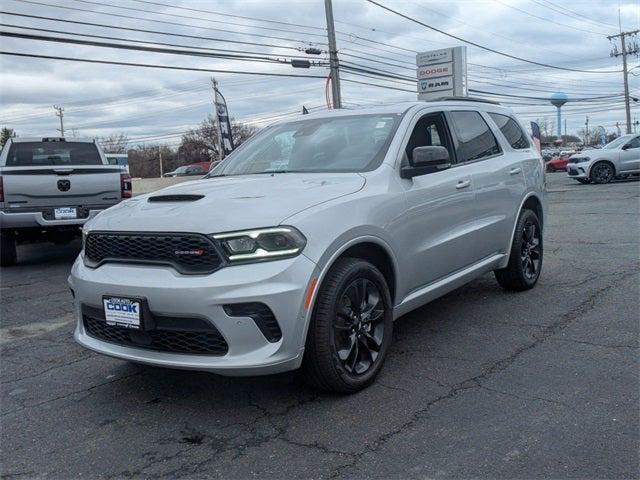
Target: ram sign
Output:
[(442, 73)]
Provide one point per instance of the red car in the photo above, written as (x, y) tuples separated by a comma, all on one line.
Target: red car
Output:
[(558, 163)]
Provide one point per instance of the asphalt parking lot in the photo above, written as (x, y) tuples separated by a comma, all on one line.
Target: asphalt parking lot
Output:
[(480, 383)]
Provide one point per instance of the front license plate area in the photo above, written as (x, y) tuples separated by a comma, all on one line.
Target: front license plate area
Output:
[(123, 312), (63, 213)]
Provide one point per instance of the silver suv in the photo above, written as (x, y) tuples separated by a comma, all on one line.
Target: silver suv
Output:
[(619, 158), (303, 247)]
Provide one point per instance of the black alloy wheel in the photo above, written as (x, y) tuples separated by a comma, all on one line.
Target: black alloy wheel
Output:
[(359, 326), (351, 328), (602, 172), (530, 251), (525, 258)]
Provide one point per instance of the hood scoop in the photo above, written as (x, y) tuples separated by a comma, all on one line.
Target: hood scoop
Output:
[(175, 198)]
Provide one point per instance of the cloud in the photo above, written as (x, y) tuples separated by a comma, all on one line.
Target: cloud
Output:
[(100, 99)]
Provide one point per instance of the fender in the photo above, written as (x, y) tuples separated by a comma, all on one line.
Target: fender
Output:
[(513, 230), (324, 269)]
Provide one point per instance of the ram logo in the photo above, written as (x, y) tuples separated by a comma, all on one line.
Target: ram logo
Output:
[(64, 185)]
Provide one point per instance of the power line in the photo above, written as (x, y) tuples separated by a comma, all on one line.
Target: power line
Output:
[(148, 65), (226, 22), (571, 14), (504, 54), (122, 46), (155, 32), (591, 32), (165, 22)]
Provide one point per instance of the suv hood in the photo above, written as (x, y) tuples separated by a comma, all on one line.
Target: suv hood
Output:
[(228, 203)]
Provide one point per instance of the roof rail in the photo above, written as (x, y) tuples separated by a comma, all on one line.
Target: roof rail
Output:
[(465, 99)]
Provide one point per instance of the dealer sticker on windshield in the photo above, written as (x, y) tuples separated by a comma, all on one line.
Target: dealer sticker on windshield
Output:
[(122, 312)]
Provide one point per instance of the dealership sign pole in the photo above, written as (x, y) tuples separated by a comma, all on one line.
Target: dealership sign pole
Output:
[(442, 73)]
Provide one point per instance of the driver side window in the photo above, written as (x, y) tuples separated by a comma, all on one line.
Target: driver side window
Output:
[(635, 143), (430, 131)]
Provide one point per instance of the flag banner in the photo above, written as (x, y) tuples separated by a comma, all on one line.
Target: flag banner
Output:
[(535, 134), (603, 135), (225, 125)]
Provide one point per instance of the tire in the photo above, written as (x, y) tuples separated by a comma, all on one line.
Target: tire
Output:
[(584, 181), (8, 252), (329, 363), (602, 172), (551, 169), (525, 260)]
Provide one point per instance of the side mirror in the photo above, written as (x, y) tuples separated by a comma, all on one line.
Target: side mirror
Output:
[(427, 160)]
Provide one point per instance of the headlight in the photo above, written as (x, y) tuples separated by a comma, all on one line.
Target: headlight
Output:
[(579, 159), (261, 244)]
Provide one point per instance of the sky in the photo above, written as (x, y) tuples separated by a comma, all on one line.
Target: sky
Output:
[(158, 105)]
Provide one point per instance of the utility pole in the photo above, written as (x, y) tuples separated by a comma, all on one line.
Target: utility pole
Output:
[(632, 49), (565, 127), (218, 139), (586, 132), (333, 56), (60, 113), (160, 158)]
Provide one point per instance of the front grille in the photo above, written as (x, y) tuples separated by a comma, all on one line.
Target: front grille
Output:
[(189, 253), (202, 342)]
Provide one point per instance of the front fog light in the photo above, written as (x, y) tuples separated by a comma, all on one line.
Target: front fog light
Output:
[(261, 244)]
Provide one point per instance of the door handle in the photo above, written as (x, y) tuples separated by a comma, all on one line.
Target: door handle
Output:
[(463, 184), (515, 171)]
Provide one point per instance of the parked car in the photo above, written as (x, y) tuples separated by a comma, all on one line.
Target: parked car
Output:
[(557, 163), (187, 171), (618, 158), (49, 187), (311, 238)]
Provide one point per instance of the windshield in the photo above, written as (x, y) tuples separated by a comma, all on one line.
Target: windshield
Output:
[(355, 143), (617, 143), (36, 154)]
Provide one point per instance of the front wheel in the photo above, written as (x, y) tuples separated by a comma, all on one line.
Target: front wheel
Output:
[(551, 169), (350, 330), (8, 252), (602, 172), (525, 260)]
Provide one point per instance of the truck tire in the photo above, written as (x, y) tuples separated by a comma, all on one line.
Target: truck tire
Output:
[(525, 260), (350, 330), (8, 253)]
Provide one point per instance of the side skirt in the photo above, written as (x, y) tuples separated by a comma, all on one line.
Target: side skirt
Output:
[(444, 285)]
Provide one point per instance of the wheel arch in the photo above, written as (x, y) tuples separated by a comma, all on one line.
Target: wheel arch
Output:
[(532, 202), (600, 160)]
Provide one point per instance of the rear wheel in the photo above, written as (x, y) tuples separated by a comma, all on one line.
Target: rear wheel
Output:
[(8, 252), (602, 172), (350, 329), (525, 260)]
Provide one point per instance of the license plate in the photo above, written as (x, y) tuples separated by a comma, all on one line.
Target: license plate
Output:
[(122, 312), (65, 212)]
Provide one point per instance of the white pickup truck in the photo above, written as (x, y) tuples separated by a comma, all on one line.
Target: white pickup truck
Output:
[(49, 187)]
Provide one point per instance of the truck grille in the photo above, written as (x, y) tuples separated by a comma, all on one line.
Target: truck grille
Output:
[(188, 253), (205, 342)]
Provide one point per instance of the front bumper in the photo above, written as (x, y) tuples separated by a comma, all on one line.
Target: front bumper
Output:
[(16, 219), (578, 170), (281, 285)]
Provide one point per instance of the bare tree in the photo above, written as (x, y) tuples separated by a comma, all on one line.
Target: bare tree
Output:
[(200, 144), (114, 143)]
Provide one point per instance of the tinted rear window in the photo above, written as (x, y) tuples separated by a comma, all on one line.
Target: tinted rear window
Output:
[(36, 154), (511, 130), (475, 138)]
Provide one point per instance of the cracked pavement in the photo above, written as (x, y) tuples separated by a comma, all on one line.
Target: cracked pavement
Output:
[(480, 383)]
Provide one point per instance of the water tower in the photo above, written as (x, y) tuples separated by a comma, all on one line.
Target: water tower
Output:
[(558, 99)]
